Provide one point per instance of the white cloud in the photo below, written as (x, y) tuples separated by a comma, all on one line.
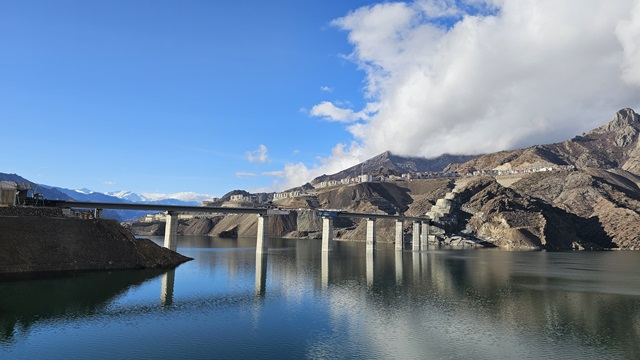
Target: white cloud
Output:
[(628, 33), (326, 89), (109, 183), (534, 71), (260, 154), (479, 76), (243, 174), (330, 112)]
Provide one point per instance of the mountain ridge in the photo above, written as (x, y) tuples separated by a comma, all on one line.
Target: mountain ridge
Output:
[(612, 145)]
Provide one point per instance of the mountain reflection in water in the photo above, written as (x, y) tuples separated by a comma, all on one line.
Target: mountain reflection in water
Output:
[(298, 302)]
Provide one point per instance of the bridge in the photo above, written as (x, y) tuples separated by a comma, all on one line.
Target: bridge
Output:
[(420, 224)]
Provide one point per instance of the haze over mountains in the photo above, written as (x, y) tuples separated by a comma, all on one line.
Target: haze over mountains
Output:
[(60, 193)]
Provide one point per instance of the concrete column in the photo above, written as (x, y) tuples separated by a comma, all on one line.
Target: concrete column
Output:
[(371, 234), (166, 291), (261, 241), (261, 274), (416, 236), (97, 213), (327, 233), (424, 237), (399, 235), (171, 231)]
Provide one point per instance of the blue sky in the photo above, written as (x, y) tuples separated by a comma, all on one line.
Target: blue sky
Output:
[(211, 96), (168, 96)]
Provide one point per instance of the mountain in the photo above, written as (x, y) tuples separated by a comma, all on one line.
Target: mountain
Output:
[(611, 146), (47, 192), (127, 195), (181, 198), (88, 195), (390, 164)]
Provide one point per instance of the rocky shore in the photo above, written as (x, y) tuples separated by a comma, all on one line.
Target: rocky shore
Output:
[(43, 240)]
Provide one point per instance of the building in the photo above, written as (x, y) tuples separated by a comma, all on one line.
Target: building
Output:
[(13, 193)]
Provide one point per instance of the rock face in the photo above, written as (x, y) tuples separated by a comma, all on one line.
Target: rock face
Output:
[(47, 243)]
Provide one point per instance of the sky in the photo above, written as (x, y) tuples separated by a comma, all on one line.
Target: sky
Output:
[(210, 96)]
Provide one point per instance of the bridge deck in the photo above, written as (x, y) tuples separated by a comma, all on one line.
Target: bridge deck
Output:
[(159, 207)]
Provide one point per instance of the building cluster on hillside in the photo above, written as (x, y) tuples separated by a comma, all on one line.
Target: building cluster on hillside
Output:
[(429, 175), (353, 180), (522, 170), (288, 194), (264, 198)]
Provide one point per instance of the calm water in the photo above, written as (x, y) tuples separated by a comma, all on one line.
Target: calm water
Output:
[(297, 303)]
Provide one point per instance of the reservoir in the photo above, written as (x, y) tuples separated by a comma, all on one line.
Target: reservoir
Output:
[(297, 302)]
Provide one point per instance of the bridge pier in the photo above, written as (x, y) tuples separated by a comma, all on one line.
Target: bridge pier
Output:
[(416, 236), (371, 234), (261, 241), (97, 213), (399, 235), (424, 236), (171, 231), (327, 233)]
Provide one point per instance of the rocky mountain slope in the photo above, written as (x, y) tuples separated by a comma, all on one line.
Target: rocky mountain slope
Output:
[(611, 146)]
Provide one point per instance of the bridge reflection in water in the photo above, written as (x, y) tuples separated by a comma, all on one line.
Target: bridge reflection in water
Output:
[(402, 261)]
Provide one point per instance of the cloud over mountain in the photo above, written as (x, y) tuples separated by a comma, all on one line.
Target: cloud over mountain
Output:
[(484, 75)]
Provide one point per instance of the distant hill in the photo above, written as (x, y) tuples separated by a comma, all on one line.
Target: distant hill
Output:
[(390, 164)]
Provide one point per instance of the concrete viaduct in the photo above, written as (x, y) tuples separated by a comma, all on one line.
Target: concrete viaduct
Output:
[(420, 224)]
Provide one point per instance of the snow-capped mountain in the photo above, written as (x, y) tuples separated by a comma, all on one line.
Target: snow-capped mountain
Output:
[(179, 198), (127, 195)]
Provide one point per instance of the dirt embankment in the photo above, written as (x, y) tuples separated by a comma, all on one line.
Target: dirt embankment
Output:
[(42, 240)]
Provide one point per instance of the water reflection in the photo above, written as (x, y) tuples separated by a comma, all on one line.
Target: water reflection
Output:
[(261, 274), (24, 302), (297, 301), (166, 291), (399, 268)]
